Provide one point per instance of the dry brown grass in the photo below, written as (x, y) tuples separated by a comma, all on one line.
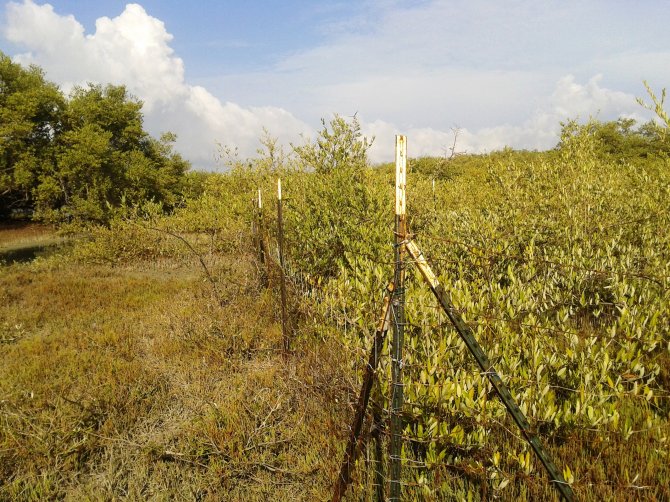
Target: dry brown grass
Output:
[(132, 382)]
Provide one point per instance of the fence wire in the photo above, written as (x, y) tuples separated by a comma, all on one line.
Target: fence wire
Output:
[(468, 447)]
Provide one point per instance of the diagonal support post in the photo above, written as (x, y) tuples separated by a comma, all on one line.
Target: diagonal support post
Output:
[(344, 479), (487, 368)]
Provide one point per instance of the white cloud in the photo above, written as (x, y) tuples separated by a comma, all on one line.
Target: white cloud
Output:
[(133, 49), (569, 100), (504, 75)]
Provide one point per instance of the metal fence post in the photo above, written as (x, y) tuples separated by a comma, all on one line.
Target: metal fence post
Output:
[(398, 317), (261, 241), (490, 372), (282, 275)]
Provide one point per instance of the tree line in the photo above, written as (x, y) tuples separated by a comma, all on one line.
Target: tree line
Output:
[(78, 157), (82, 156)]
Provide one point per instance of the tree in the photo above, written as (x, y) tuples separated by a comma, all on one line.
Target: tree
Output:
[(30, 118), (341, 146), (156, 172), (78, 158), (621, 140), (79, 183), (333, 209), (657, 106), (104, 158)]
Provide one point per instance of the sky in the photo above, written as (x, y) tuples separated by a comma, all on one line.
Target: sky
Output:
[(219, 73)]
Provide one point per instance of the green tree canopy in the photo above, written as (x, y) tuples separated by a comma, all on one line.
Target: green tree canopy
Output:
[(622, 140), (341, 146), (78, 157), (30, 113)]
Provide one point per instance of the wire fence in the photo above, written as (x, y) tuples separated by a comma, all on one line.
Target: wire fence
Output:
[(457, 440)]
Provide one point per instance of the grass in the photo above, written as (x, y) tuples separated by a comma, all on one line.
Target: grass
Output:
[(18, 235), (22, 241), (129, 379), (133, 382)]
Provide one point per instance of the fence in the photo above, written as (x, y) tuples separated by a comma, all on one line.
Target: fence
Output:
[(382, 420)]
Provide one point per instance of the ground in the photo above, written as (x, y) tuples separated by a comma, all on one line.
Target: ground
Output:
[(135, 382)]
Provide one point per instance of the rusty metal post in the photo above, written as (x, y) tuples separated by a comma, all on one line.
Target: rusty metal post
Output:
[(282, 275), (398, 303), (355, 438), (261, 241)]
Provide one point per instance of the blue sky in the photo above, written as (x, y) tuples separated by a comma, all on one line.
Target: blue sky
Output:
[(215, 36), (504, 73)]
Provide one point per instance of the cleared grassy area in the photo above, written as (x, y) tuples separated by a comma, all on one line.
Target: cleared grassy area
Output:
[(133, 382)]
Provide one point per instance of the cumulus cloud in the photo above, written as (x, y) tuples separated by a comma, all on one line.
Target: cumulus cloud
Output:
[(417, 68), (569, 100), (506, 75), (134, 49)]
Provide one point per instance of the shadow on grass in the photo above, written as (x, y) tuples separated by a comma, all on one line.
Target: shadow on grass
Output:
[(27, 254)]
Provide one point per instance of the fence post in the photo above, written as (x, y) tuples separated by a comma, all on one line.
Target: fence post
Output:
[(355, 438), (282, 275), (261, 241), (434, 202), (398, 305)]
